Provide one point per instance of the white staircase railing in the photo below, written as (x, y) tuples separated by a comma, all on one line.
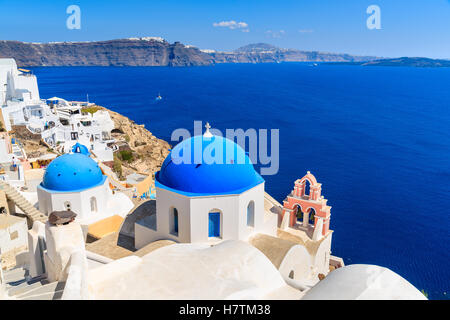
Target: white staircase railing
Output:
[(28, 209)]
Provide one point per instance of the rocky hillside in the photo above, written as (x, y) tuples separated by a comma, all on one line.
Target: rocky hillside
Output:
[(153, 52), (31, 143), (139, 150)]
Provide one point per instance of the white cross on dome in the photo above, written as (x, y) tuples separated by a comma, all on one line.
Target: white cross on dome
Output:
[(207, 133)]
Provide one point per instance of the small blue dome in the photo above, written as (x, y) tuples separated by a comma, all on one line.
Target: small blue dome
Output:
[(80, 148), (189, 170), (72, 172)]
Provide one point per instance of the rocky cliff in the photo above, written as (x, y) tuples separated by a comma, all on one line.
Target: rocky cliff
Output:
[(122, 52), (146, 152), (153, 52), (266, 53)]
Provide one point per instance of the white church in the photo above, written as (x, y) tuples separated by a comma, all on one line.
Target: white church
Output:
[(201, 202), (75, 182)]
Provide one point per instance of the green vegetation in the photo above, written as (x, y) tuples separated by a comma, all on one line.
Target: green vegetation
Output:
[(117, 167), (126, 155), (91, 110), (127, 138)]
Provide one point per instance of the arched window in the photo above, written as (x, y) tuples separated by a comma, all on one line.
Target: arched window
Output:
[(251, 214), (307, 187), (173, 221), (93, 204)]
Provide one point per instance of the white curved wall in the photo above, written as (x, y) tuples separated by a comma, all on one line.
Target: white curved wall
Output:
[(229, 270), (298, 261), (363, 282)]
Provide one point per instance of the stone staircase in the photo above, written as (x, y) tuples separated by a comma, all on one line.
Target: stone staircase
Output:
[(20, 286), (28, 209)]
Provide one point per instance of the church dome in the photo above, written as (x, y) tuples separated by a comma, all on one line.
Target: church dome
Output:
[(207, 165), (72, 172)]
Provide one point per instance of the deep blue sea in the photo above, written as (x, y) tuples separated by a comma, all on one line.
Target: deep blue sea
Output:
[(377, 138)]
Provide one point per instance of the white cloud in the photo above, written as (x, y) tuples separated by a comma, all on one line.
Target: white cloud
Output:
[(232, 25), (275, 34)]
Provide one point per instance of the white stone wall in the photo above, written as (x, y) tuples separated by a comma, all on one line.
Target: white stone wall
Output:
[(256, 195), (79, 201), (4, 155), (166, 200), (13, 234), (307, 267), (61, 242), (27, 83), (322, 257), (298, 263), (229, 208)]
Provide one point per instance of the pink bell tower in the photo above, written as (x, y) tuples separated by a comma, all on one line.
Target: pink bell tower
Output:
[(310, 205)]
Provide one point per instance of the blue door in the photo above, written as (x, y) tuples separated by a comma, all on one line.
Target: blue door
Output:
[(214, 224)]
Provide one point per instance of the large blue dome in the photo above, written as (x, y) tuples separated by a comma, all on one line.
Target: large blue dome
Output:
[(227, 170), (72, 172)]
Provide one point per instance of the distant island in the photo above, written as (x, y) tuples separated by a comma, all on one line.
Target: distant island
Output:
[(401, 62), (155, 51)]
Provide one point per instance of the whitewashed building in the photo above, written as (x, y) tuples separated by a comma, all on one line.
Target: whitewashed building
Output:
[(60, 123), (73, 125)]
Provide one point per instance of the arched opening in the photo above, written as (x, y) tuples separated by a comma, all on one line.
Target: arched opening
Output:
[(312, 213), (251, 214), (307, 187), (93, 204), (2, 210), (173, 223), (214, 228), (298, 213), (67, 206), (291, 274)]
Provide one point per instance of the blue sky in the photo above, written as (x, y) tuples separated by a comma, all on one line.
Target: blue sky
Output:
[(409, 28)]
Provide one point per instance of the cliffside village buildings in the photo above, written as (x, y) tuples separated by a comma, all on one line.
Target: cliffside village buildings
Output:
[(60, 123), (72, 231)]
